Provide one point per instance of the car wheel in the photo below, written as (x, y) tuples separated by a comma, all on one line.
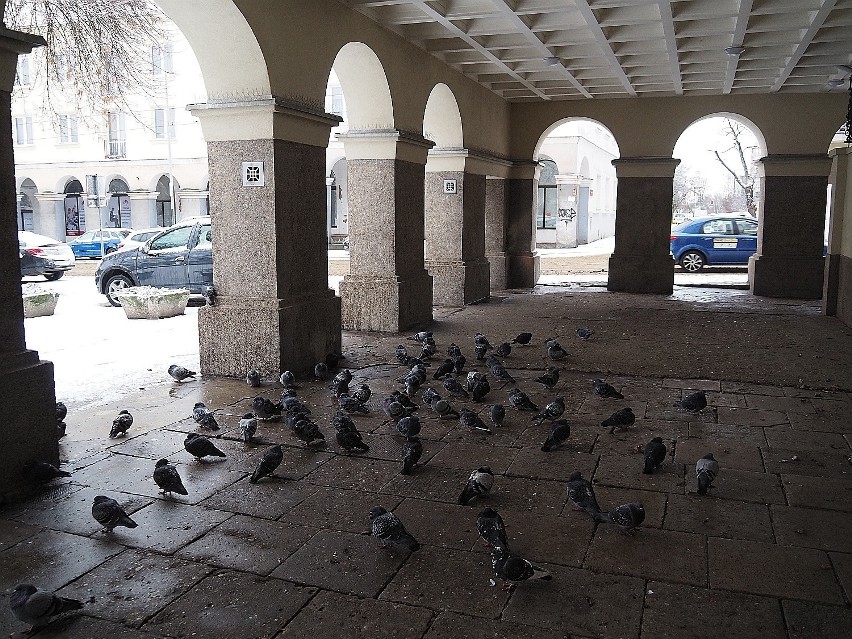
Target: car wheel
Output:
[(110, 249), (692, 261), (55, 275), (115, 284)]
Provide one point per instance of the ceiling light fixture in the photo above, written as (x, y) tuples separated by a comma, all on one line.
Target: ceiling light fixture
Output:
[(734, 50), (836, 82), (551, 61), (845, 69)]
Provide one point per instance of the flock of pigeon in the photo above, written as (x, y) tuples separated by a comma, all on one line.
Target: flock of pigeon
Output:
[(37, 607)]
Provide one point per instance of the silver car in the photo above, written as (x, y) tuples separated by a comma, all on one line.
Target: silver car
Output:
[(46, 247)]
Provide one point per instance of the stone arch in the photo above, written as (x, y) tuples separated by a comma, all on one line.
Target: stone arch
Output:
[(442, 121), (544, 135), (369, 104), (751, 126)]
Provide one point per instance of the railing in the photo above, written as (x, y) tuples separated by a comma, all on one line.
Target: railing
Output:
[(115, 148)]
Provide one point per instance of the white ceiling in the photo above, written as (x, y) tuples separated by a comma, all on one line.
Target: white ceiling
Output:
[(622, 48)]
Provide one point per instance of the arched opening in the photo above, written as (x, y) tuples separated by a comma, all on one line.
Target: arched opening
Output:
[(164, 202), (74, 207), (27, 204), (118, 204), (442, 121), (364, 92)]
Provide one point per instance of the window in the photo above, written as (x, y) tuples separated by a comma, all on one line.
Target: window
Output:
[(117, 142), (338, 106), (719, 227), (747, 227), (164, 118), (205, 237), (174, 239), (24, 130), (547, 206), (161, 58), (68, 129), (22, 78)]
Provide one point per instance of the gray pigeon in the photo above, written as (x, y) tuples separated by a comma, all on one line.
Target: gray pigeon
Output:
[(503, 350), (271, 459), (550, 378), (428, 396), (265, 408), (480, 388), (362, 393), (387, 527), (584, 333), (626, 517), (203, 416), (308, 432), (444, 409), (479, 352), (655, 454), (412, 451), (408, 426), (706, 470), (559, 432), (321, 371), (253, 379), (41, 472), (167, 478), (444, 369), (693, 403), (288, 380), (512, 569), (453, 386), (491, 528), (620, 419), (351, 404), (582, 495), (519, 400), (552, 411), (497, 413), (61, 412), (555, 351), (121, 424), (469, 419), (347, 434), (478, 485), (248, 427), (479, 340), (458, 363), (109, 514), (499, 371), (602, 389), (36, 607), (199, 447), (421, 336), (179, 373)]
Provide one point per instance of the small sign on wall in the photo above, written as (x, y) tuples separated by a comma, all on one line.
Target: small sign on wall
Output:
[(451, 187), (253, 174)]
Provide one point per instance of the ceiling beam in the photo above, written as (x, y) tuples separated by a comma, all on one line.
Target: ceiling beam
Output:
[(737, 41), (816, 24), (603, 43), (671, 43)]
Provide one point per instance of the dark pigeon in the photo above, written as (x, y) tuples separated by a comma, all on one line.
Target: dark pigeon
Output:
[(559, 432), (519, 400), (428, 396), (61, 412), (655, 454), (321, 371), (552, 411), (167, 478), (522, 338), (478, 485), (387, 527), (549, 378), (351, 404), (362, 393), (412, 451), (444, 369), (469, 419), (408, 426), (444, 409), (121, 424), (253, 379), (37, 607), (452, 385), (497, 413), (421, 337), (401, 354), (179, 373), (479, 340), (620, 419), (199, 447), (694, 402), (109, 514), (271, 459), (555, 351), (584, 333), (491, 528), (40, 472), (602, 389), (248, 427), (453, 351), (582, 495), (626, 517), (706, 470), (331, 360), (264, 408), (458, 363), (503, 350), (308, 432), (288, 380), (512, 569), (480, 388), (479, 352)]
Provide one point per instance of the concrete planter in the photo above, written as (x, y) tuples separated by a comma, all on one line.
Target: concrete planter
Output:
[(38, 301), (149, 302)]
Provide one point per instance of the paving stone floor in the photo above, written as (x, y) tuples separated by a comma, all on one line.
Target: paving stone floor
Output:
[(768, 553)]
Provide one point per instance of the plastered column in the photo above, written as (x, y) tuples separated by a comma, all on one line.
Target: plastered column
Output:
[(388, 288), (28, 409), (495, 231), (790, 237), (274, 310), (522, 260), (837, 286), (455, 232), (641, 261), (143, 209)]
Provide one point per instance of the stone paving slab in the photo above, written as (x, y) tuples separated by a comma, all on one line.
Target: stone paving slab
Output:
[(786, 404), (11, 532), (822, 421), (761, 488), (354, 473), (719, 518), (843, 568), (692, 384), (557, 465), (818, 492), (793, 439), (620, 471), (436, 523), (728, 454), (817, 463), (78, 626), (749, 417), (155, 444), (730, 434), (522, 494), (338, 509), (747, 387), (461, 454), (807, 620), (430, 482), (450, 625), (581, 440), (810, 528), (269, 498), (166, 526)]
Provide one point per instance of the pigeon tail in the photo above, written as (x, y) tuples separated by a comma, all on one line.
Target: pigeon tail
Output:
[(407, 466), (540, 573), (467, 495), (703, 483), (649, 466)]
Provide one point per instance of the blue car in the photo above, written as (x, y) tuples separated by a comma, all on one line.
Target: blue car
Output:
[(89, 244), (718, 240)]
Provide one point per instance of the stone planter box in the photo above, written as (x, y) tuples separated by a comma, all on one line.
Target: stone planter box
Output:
[(38, 301), (149, 302)]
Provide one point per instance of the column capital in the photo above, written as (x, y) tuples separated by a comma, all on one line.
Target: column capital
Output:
[(818, 164), (464, 159), (645, 167), (13, 44), (49, 197), (385, 144), (524, 170), (142, 195)]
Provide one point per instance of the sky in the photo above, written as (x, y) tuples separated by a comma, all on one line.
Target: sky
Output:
[(697, 143)]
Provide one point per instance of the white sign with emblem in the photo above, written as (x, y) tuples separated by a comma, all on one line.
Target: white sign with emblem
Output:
[(724, 242), (451, 186), (253, 174)]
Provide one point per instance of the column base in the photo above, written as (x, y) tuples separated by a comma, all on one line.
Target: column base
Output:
[(497, 265), (641, 274), (268, 335), (27, 419), (386, 304), (459, 283), (843, 291), (523, 270), (791, 277), (831, 283)]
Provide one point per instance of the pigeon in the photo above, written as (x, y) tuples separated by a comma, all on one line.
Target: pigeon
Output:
[(428, 350), (253, 379), (559, 432), (121, 424), (444, 408), (408, 426), (288, 380), (452, 385), (248, 427), (421, 337), (331, 361), (444, 369), (469, 419), (693, 403), (405, 400), (308, 432), (61, 412), (351, 404), (706, 470), (480, 388), (479, 352), (167, 478), (179, 373), (362, 393), (582, 495), (603, 389), (453, 351), (552, 411), (347, 435), (394, 410), (626, 517), (584, 333), (555, 351), (387, 527), (655, 454), (620, 419), (503, 350), (512, 569), (412, 451), (339, 387), (428, 396), (199, 447), (289, 402), (499, 371), (479, 340), (401, 354), (109, 514), (209, 294), (478, 485), (519, 400), (204, 417), (41, 472), (271, 459), (497, 413), (458, 363), (264, 408), (549, 378), (321, 371), (36, 607), (522, 338), (61, 429), (491, 528)]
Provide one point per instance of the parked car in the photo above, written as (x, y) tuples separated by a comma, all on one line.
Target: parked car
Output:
[(59, 253), (138, 238), (92, 243), (723, 239), (180, 256), (33, 265)]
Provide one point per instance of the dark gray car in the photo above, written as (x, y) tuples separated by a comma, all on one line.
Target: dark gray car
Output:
[(181, 256)]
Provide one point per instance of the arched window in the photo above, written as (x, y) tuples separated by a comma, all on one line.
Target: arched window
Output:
[(75, 212), (165, 212), (118, 206), (546, 206)]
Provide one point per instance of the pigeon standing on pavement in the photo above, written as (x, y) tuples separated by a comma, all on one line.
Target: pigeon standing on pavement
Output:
[(387, 527), (347, 434), (550, 378), (408, 426), (288, 380), (503, 350), (602, 389), (694, 402), (109, 514), (199, 447), (351, 404), (444, 369), (452, 385), (584, 333), (167, 478), (519, 400), (362, 393), (512, 569), (271, 459), (421, 336), (37, 607), (522, 338), (204, 417), (179, 373), (253, 379), (626, 517), (469, 419), (559, 432), (479, 387), (655, 454), (248, 427), (321, 371), (555, 351), (491, 528), (61, 412), (308, 432), (444, 409), (121, 424), (620, 419), (264, 408), (497, 412), (582, 495), (706, 470), (552, 411), (41, 472), (478, 485), (412, 451)]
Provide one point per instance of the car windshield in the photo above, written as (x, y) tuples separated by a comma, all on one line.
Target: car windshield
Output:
[(177, 238)]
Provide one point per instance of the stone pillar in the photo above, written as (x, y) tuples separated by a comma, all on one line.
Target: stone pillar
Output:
[(567, 187), (837, 287), (143, 209), (790, 238), (274, 310), (641, 261), (28, 409), (522, 260), (495, 230), (455, 230), (192, 203), (387, 288), (51, 217)]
